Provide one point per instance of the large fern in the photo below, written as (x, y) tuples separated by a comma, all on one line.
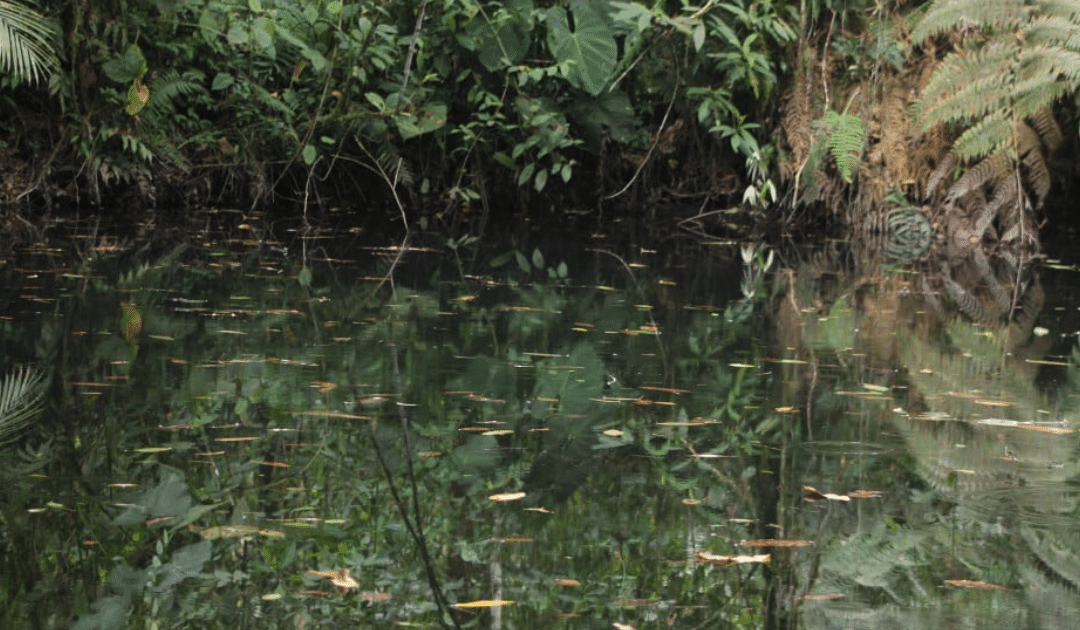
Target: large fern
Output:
[(1023, 57)]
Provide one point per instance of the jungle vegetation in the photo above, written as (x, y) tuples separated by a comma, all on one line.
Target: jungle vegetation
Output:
[(785, 110)]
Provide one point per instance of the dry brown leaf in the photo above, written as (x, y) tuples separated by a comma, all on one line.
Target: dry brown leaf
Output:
[(864, 494), (339, 578)]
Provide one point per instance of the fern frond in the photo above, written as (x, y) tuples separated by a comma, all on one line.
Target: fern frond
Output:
[(989, 135), (950, 15), (20, 400), (1005, 191), (966, 86), (1047, 127), (967, 303), (991, 169), (170, 85), (950, 160), (846, 138), (1053, 30), (1030, 148)]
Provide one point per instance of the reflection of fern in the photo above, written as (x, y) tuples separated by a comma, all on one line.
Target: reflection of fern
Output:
[(20, 400), (846, 138)]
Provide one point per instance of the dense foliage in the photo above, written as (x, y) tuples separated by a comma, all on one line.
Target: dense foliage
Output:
[(454, 106)]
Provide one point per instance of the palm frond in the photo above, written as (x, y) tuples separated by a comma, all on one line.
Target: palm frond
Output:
[(21, 393), (28, 42)]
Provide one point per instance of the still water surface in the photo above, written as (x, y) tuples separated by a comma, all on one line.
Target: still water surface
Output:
[(571, 433)]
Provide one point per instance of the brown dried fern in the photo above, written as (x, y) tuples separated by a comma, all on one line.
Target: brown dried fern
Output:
[(991, 169)]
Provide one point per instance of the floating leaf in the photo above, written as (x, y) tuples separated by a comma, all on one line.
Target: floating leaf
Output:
[(507, 496), (774, 542), (976, 584), (340, 578), (484, 603), (705, 557), (131, 321)]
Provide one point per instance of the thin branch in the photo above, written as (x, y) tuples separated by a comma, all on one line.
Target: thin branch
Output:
[(407, 70), (663, 123)]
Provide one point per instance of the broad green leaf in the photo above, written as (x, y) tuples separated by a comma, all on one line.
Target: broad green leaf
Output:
[(523, 263), (127, 67), (309, 154), (526, 173), (431, 117), (541, 180), (222, 80), (537, 257), (589, 47), (238, 34)]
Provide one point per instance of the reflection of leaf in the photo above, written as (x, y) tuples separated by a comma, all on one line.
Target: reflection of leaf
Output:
[(109, 613), (20, 399), (169, 498), (480, 453), (186, 562)]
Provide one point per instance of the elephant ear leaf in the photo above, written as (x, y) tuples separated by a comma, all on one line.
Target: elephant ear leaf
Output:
[(588, 47)]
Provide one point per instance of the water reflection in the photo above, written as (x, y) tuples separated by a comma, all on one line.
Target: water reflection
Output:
[(681, 436)]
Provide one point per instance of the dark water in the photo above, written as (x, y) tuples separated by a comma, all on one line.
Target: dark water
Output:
[(597, 431)]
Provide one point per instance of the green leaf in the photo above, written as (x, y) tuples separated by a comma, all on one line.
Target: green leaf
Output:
[(138, 96), (523, 263), (431, 117), (375, 100), (305, 277), (127, 67), (537, 257), (590, 48), (237, 35), (222, 80), (699, 37), (309, 153), (498, 44), (611, 112), (526, 173), (541, 180)]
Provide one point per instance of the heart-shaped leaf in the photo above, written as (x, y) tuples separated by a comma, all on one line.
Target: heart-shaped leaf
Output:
[(589, 46)]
